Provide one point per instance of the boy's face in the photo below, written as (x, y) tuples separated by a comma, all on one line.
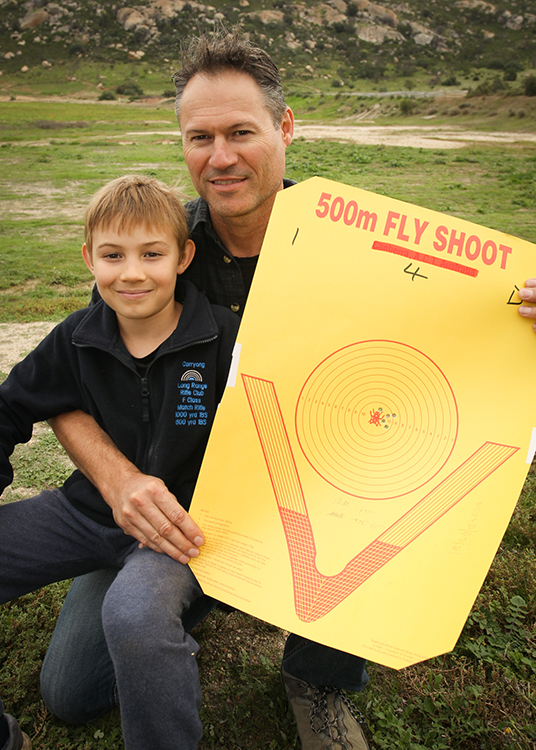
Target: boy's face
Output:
[(136, 270)]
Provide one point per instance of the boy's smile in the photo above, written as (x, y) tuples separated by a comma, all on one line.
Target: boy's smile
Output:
[(136, 271)]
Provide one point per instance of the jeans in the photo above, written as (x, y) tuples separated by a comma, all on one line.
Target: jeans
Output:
[(78, 683), (132, 638)]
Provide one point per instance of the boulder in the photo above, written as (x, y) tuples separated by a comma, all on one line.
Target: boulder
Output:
[(515, 23), (423, 39), (332, 16), (378, 34), (168, 8), (32, 20), (269, 16), (55, 11), (291, 41), (487, 7), (384, 15), (340, 5), (130, 18)]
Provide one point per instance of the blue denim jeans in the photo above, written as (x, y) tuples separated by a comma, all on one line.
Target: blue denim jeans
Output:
[(78, 677), (131, 638)]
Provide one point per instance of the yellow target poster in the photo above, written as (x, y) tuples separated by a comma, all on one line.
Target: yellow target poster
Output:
[(377, 428)]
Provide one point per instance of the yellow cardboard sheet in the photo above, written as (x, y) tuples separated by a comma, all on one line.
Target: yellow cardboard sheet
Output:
[(366, 460)]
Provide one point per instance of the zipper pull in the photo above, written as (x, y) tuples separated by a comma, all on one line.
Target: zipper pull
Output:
[(145, 400)]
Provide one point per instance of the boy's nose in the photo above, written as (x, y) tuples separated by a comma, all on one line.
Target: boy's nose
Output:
[(132, 271)]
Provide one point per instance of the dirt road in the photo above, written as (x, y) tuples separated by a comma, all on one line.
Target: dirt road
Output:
[(424, 136), (413, 136)]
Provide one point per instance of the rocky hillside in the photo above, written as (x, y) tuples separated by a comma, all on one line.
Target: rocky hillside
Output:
[(309, 39)]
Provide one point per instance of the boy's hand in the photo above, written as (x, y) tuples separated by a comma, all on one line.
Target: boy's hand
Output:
[(149, 512), (528, 294)]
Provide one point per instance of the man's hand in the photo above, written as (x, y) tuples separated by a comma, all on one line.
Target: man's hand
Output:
[(142, 505), (146, 510), (528, 294)]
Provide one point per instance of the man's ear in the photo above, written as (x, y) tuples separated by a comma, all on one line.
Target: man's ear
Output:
[(187, 256), (287, 126), (86, 255)]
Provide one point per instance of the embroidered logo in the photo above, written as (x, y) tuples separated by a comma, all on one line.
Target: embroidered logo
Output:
[(192, 375), (191, 411)]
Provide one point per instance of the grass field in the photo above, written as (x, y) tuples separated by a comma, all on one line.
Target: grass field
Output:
[(53, 156)]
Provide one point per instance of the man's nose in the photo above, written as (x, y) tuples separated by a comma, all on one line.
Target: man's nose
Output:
[(223, 154)]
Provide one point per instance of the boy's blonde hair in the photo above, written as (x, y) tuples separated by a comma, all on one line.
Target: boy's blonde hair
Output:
[(135, 200)]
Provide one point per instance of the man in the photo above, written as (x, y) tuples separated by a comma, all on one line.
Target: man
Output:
[(236, 128)]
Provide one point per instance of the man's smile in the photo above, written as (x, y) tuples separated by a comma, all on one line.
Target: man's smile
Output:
[(224, 182)]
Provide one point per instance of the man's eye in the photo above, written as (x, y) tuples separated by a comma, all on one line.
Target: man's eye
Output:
[(243, 132), (199, 138)]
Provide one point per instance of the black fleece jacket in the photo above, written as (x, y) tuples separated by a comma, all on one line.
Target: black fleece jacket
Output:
[(160, 422)]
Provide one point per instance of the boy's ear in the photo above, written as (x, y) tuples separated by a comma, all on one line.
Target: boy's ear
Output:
[(187, 256), (86, 255)]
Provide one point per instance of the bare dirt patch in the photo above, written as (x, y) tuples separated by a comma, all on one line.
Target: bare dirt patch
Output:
[(426, 136), (40, 201), (413, 136), (18, 339)]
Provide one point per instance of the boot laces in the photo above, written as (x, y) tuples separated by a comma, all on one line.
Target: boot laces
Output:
[(319, 718)]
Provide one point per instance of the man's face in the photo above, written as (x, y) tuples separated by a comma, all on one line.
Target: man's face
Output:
[(234, 152)]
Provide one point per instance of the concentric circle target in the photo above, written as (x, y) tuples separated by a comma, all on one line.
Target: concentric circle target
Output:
[(377, 419)]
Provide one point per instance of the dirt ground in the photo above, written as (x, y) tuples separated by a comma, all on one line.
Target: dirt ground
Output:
[(17, 339), (413, 136), (425, 136)]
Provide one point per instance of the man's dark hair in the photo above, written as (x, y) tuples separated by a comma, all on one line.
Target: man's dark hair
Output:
[(211, 56)]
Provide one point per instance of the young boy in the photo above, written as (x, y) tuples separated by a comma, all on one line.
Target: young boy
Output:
[(149, 362)]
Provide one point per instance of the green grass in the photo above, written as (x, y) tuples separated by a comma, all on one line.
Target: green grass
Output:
[(48, 175), (480, 697)]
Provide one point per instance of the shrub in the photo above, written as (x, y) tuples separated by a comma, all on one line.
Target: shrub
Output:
[(529, 85), (107, 96), (129, 88), (407, 106), (488, 87), (77, 48)]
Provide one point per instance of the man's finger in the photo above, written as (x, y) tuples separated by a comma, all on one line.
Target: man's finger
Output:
[(153, 529), (182, 520)]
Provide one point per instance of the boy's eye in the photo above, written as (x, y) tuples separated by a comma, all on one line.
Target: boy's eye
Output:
[(152, 254), (111, 256)]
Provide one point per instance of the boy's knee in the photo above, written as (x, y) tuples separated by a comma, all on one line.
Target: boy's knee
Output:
[(136, 625)]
